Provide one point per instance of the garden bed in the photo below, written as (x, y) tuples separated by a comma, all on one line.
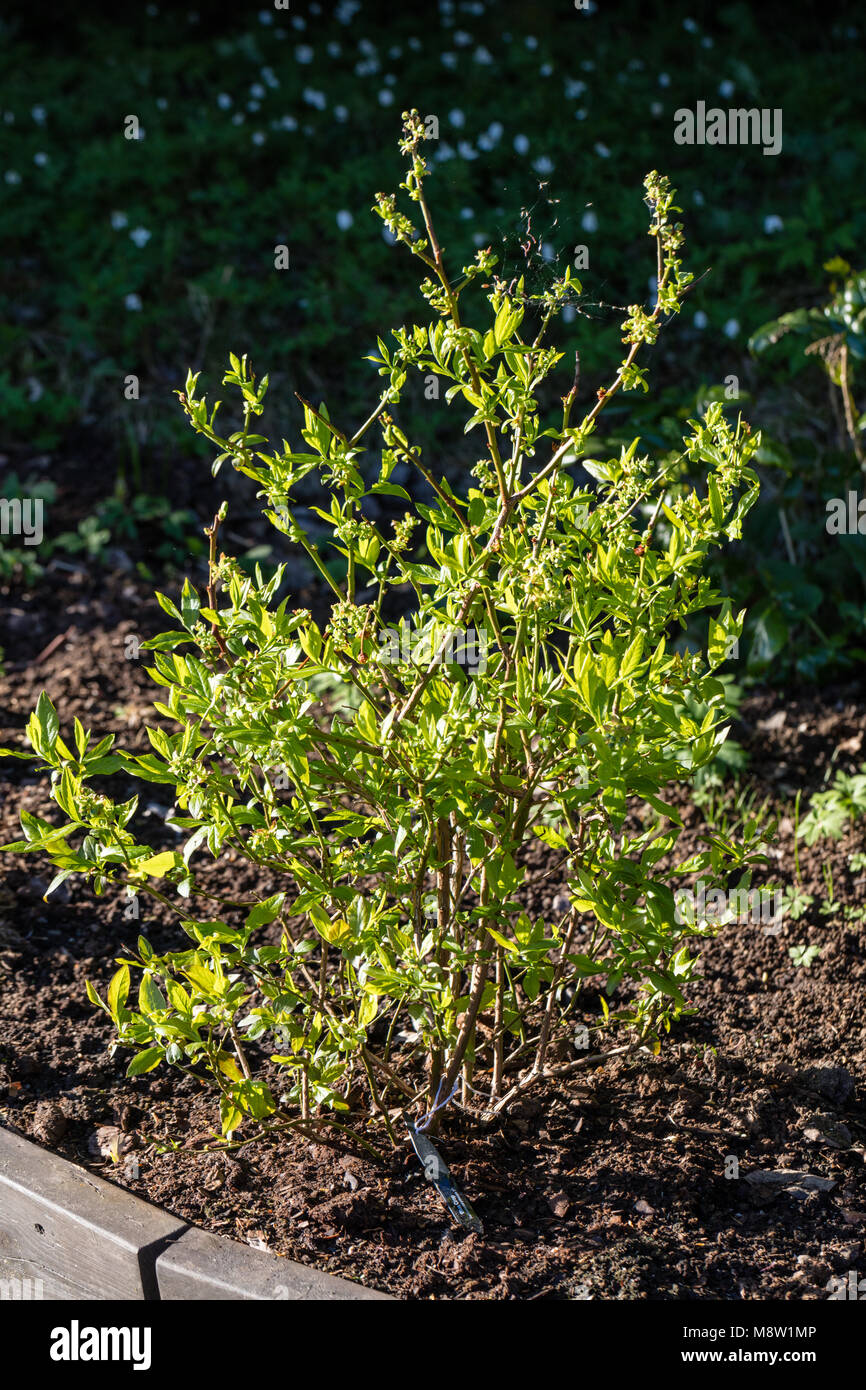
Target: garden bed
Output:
[(610, 1186)]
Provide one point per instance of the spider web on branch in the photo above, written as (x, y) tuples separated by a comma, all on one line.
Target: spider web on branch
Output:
[(521, 254)]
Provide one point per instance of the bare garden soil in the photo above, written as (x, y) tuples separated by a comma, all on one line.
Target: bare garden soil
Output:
[(611, 1184)]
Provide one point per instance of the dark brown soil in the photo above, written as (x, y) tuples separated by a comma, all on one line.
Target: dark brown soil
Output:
[(615, 1184)]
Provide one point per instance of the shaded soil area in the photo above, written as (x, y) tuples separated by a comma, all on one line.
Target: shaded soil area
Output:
[(630, 1181)]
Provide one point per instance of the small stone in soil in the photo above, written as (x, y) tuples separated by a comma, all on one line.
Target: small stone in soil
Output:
[(559, 1204), (836, 1083), (49, 1122)]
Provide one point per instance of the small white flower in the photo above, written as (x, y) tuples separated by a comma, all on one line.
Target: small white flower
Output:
[(344, 220), (386, 97), (35, 389), (466, 151), (727, 88), (289, 123), (449, 60), (700, 319), (238, 118), (531, 41), (257, 91), (773, 223), (467, 214), (478, 239), (656, 108), (119, 220), (341, 113), (415, 44), (40, 158), (298, 22), (574, 89), (224, 101), (12, 176), (707, 41), (484, 143), (461, 38), (334, 49), (9, 117), (303, 53), (495, 130), (546, 70), (664, 79), (445, 151), (140, 235), (315, 98), (38, 114), (389, 236), (602, 150), (589, 221), (521, 144), (568, 313), (132, 302), (548, 252), (162, 104), (483, 56), (731, 328), (543, 165), (457, 118), (270, 78), (395, 51), (698, 198), (258, 137), (690, 26), (254, 105), (266, 16), (580, 114)]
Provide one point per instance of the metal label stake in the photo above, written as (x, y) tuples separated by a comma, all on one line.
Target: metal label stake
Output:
[(437, 1172)]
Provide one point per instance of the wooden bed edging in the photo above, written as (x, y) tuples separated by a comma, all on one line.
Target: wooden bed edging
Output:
[(67, 1234)]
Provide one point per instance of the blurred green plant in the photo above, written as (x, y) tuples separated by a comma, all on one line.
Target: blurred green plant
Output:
[(832, 811), (837, 335)]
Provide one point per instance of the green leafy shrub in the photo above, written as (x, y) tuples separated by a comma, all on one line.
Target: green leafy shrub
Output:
[(515, 679)]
